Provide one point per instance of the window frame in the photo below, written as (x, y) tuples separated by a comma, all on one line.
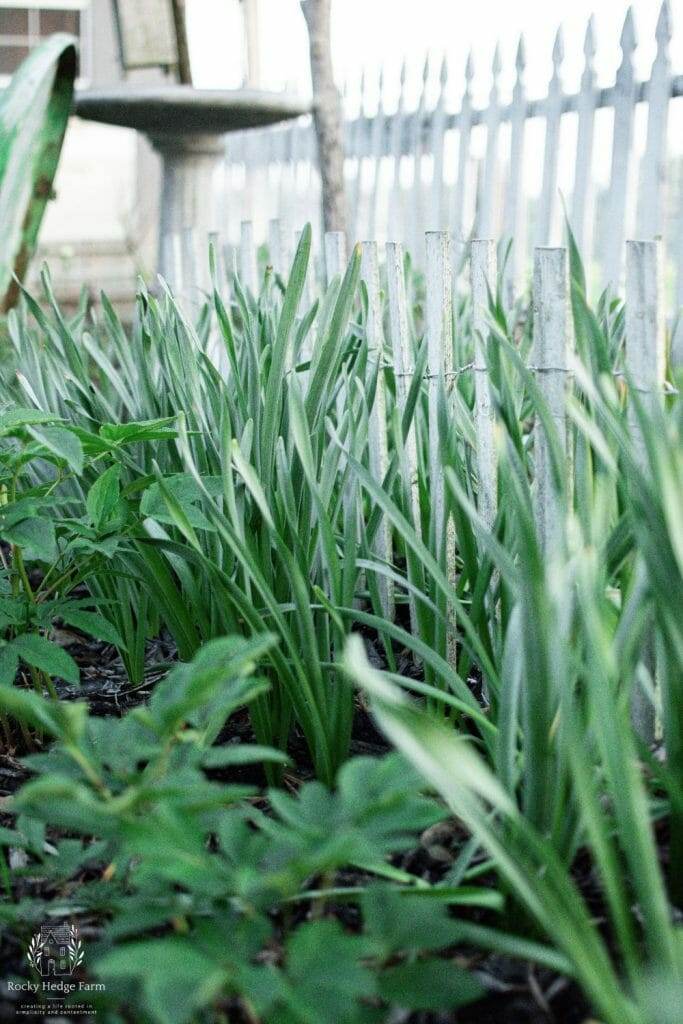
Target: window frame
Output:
[(32, 7)]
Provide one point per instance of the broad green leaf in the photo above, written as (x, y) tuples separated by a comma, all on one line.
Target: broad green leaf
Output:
[(103, 496), (147, 430), (63, 443), (9, 662), (176, 977), (93, 624), (429, 985), (36, 538), (47, 656), (326, 972), (16, 417)]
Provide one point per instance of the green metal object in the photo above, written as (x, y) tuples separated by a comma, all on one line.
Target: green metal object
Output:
[(34, 111)]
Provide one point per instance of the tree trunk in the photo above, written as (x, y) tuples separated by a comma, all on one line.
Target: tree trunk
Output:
[(251, 16), (327, 114), (184, 68)]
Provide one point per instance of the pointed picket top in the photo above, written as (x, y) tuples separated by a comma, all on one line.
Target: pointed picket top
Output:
[(359, 93), (651, 203), (464, 129), (404, 73), (469, 75), (422, 102), (440, 102), (497, 65), (558, 47), (628, 43), (469, 71), (558, 58), (520, 67), (628, 39), (380, 91), (496, 68), (443, 73), (589, 47), (661, 68), (555, 84), (520, 57), (663, 32), (363, 101), (589, 51)]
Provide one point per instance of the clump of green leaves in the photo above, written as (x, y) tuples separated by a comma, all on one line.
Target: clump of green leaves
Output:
[(201, 883), (39, 563)]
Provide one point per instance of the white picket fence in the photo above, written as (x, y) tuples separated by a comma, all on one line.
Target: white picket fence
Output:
[(430, 168), (552, 362)]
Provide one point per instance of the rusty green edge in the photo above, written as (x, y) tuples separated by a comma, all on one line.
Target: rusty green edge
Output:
[(46, 78)]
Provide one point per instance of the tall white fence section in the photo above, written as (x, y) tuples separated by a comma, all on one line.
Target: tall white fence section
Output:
[(468, 170)]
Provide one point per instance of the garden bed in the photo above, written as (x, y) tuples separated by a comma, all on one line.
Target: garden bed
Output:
[(327, 687), (516, 992)]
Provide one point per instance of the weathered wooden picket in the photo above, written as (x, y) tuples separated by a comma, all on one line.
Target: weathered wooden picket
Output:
[(412, 171)]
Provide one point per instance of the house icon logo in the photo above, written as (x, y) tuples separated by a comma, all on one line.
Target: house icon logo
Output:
[(55, 951)]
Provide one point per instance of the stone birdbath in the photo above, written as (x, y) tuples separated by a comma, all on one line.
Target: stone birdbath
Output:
[(186, 127)]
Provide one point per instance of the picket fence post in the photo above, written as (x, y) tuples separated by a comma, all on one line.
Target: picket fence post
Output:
[(464, 130), (376, 150), (214, 243), (553, 120), (335, 264), (415, 230), (396, 223), (551, 365), (653, 170), (645, 358), (275, 246), (624, 103), (247, 257), (335, 254), (488, 196), (437, 150), (645, 344), (377, 427), (514, 226), (483, 278), (356, 151), (176, 268), (580, 222), (404, 370), (438, 328)]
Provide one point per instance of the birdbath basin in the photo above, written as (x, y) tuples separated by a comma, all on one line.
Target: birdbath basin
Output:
[(186, 126)]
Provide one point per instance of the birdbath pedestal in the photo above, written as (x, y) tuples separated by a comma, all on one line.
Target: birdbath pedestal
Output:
[(186, 127)]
